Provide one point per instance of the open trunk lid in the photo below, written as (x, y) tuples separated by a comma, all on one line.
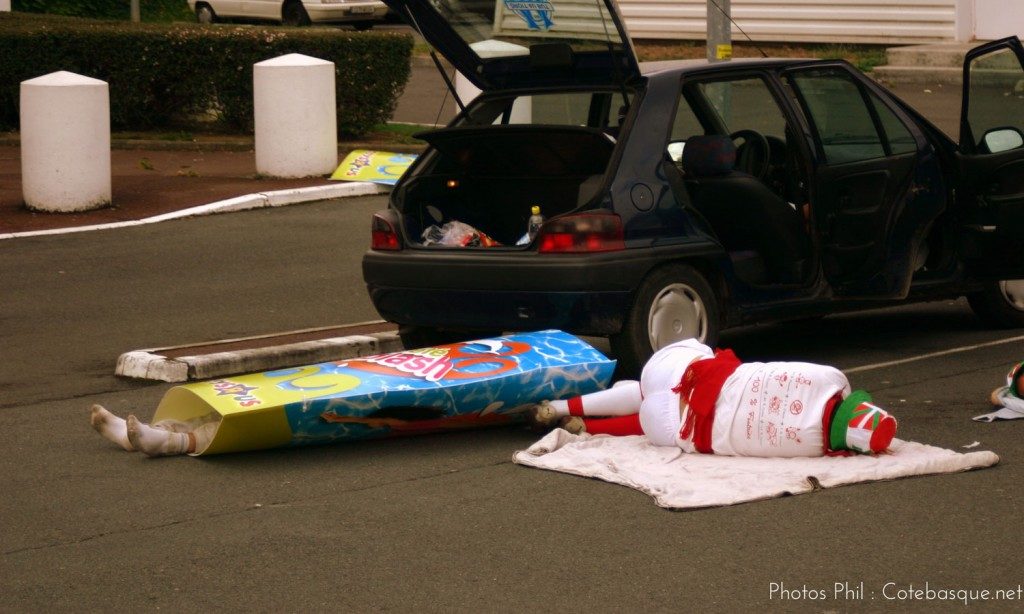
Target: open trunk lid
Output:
[(525, 44)]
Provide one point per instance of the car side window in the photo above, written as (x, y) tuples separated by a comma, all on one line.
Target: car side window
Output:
[(839, 114), (996, 101), (897, 135), (745, 104), (685, 123)]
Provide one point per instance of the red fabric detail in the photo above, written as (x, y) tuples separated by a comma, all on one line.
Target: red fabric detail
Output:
[(576, 406), (826, 426), (701, 384), (620, 426), (883, 435)]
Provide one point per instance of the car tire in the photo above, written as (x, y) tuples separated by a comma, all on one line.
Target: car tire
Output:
[(294, 14), (205, 14), (1000, 304), (673, 303)]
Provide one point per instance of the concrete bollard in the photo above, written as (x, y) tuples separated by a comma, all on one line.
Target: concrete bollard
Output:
[(65, 142), (295, 116)]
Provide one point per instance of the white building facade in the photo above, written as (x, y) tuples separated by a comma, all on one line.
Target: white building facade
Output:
[(833, 21)]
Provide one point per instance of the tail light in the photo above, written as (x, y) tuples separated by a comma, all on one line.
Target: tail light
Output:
[(586, 232), (383, 235)]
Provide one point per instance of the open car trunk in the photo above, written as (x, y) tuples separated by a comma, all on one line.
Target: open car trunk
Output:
[(490, 177)]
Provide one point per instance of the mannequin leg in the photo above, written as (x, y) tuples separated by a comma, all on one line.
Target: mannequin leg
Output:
[(622, 399)]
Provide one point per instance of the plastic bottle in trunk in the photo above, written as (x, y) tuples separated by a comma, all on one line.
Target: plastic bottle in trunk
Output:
[(532, 226)]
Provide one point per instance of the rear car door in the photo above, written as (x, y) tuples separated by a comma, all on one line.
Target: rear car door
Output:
[(876, 187), (990, 190)]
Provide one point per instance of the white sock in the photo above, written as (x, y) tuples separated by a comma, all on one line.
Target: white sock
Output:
[(622, 399), (110, 426), (155, 442)]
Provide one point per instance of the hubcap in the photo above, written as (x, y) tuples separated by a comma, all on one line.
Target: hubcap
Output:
[(1013, 292), (676, 313)]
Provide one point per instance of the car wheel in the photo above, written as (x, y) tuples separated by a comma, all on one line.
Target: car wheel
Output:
[(294, 14), (1000, 304), (205, 14), (674, 303), (414, 337)]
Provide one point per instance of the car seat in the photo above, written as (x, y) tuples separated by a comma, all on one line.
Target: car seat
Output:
[(744, 213)]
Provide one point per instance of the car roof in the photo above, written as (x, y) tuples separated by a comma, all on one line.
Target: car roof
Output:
[(663, 66)]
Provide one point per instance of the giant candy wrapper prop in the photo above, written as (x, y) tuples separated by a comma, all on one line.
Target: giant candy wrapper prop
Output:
[(382, 167), (461, 385)]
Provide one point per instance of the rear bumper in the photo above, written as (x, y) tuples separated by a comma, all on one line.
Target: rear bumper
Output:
[(585, 313), (586, 294)]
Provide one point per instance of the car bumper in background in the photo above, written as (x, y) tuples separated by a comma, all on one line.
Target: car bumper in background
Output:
[(346, 11)]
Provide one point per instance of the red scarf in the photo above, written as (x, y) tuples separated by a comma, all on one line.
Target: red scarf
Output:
[(700, 386)]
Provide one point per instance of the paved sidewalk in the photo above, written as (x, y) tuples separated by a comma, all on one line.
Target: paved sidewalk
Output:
[(158, 178)]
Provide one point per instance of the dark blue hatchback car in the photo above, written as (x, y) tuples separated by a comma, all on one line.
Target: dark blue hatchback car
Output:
[(681, 198)]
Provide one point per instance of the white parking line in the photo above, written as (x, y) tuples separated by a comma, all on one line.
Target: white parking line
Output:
[(966, 348)]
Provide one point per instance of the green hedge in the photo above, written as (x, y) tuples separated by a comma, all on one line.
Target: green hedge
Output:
[(149, 10), (178, 76)]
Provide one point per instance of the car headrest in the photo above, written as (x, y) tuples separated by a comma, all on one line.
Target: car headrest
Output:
[(710, 155)]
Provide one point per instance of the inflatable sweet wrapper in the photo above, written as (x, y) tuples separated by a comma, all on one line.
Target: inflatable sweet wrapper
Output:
[(461, 385)]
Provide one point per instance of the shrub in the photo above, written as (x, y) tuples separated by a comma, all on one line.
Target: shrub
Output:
[(167, 76), (149, 10)]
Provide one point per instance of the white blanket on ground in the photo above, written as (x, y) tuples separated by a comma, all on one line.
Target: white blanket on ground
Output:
[(678, 480)]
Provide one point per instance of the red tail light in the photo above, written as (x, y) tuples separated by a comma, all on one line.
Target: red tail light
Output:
[(383, 234), (586, 232)]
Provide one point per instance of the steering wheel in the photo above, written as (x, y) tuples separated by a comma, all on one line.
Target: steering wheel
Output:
[(754, 155)]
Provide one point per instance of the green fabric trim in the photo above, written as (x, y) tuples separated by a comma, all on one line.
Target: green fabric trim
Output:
[(841, 419)]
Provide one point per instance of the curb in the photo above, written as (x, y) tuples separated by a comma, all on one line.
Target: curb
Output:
[(151, 365), (13, 139), (258, 200)]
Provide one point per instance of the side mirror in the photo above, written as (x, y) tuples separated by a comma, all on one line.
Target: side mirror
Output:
[(1002, 139), (675, 151)]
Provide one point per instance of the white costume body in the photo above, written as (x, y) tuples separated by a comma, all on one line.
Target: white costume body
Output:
[(763, 409)]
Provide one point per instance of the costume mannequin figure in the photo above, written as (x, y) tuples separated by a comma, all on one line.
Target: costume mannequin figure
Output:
[(710, 402), (1008, 400), (163, 438)]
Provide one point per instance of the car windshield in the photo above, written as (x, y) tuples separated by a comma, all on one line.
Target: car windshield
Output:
[(496, 28)]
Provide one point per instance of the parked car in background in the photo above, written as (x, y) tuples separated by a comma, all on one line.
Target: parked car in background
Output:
[(684, 197), (361, 14)]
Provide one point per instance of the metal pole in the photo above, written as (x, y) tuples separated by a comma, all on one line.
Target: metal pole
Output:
[(719, 30), (136, 13)]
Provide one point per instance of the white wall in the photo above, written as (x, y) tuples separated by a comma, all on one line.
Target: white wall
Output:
[(998, 18), (5, 5), (849, 21)]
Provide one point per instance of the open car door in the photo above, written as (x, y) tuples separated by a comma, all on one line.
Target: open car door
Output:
[(990, 191), (872, 191)]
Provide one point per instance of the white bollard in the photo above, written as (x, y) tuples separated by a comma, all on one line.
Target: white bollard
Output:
[(65, 142), (295, 116)]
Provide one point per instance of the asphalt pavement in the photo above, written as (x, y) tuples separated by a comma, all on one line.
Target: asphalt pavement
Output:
[(442, 522)]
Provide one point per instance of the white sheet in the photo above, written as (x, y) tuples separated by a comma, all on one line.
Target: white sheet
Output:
[(681, 481)]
